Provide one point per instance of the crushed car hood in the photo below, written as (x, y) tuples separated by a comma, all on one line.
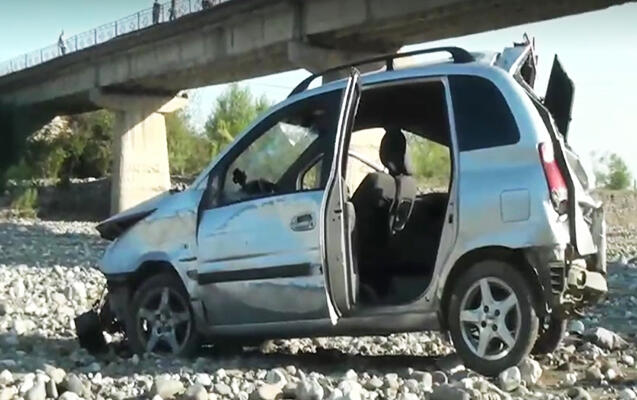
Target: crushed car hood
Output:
[(117, 224)]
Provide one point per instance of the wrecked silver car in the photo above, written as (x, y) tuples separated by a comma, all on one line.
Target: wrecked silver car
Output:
[(274, 240)]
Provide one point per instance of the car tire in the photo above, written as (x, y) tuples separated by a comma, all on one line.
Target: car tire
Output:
[(161, 319), (491, 318), (552, 331)]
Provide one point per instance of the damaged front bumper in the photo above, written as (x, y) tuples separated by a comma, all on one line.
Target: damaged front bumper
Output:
[(106, 315)]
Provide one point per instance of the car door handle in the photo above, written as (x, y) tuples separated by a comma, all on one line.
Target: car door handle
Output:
[(303, 222)]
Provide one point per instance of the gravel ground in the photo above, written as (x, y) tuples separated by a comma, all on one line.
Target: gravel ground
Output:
[(47, 277)]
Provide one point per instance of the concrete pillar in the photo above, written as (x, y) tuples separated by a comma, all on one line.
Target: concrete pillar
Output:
[(140, 149)]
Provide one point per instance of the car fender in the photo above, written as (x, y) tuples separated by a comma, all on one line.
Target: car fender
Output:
[(166, 236)]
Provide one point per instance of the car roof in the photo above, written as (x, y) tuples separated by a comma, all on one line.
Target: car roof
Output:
[(482, 66)]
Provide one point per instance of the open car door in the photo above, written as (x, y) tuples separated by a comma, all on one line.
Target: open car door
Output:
[(337, 214), (559, 97)]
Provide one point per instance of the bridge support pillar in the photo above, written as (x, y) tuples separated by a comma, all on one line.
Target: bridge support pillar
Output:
[(140, 149)]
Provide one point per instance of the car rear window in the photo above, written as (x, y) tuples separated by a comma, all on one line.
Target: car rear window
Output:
[(483, 118)]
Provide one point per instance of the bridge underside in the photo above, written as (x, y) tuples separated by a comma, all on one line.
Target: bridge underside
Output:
[(235, 41), (240, 40)]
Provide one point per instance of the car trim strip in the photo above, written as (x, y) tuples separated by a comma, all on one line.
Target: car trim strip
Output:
[(252, 274)]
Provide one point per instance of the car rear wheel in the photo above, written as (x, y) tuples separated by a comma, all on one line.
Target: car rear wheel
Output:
[(552, 331), (491, 318), (161, 319)]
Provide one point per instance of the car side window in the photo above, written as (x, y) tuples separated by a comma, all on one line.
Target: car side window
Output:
[(261, 168), (483, 117), (256, 171)]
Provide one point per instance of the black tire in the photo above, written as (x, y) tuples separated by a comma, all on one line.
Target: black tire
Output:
[(503, 281), (551, 333), (138, 329)]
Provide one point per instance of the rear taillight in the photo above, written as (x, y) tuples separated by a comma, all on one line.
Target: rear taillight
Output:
[(554, 178)]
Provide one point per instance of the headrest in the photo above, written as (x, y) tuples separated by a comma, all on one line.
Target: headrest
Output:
[(393, 152)]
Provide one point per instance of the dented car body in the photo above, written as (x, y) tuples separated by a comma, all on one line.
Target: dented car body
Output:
[(265, 249)]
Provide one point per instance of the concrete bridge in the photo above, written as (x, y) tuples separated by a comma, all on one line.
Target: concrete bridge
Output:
[(138, 74)]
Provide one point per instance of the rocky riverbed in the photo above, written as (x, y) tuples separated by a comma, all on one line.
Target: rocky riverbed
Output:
[(47, 276)]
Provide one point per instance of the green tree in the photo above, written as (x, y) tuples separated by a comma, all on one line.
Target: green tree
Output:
[(430, 160), (188, 151), (76, 146), (234, 110), (611, 172), (89, 145)]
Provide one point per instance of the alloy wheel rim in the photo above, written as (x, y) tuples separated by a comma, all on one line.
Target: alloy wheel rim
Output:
[(164, 321), (490, 318)]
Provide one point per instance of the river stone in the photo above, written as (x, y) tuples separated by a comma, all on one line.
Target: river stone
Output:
[(309, 389), (8, 393), (51, 389), (73, 384), (56, 374), (267, 391), (577, 393), (6, 377), (37, 392), (448, 392), (276, 377), (606, 339), (196, 392), (223, 389), (439, 378), (530, 371), (509, 379), (69, 396), (626, 394), (167, 388)]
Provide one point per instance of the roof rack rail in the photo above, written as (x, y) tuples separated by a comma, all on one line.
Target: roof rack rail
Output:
[(459, 55)]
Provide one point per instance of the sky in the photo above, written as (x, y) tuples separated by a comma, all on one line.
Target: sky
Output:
[(598, 50)]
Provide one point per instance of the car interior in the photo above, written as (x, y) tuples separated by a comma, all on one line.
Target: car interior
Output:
[(399, 214)]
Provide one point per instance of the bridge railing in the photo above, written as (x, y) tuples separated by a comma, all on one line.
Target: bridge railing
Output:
[(135, 22)]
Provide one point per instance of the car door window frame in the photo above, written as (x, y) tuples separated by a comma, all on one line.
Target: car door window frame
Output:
[(219, 172)]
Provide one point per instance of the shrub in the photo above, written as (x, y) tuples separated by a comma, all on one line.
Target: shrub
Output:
[(611, 172), (431, 162), (24, 200)]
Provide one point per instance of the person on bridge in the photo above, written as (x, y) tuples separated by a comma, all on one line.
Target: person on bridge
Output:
[(206, 4), (156, 11), (62, 43), (173, 10)]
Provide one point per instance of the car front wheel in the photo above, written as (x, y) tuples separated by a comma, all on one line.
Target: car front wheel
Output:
[(161, 319), (491, 318)]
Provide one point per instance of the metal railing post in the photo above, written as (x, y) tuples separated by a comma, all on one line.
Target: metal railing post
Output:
[(76, 49), (41, 55), (115, 28), (95, 34)]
